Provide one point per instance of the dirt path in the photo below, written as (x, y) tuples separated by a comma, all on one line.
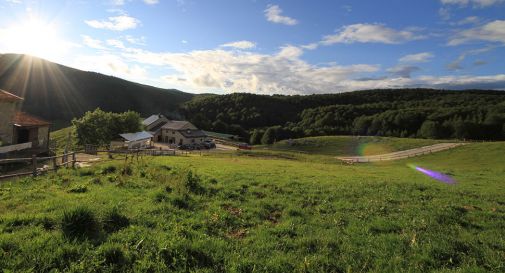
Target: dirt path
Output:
[(401, 154)]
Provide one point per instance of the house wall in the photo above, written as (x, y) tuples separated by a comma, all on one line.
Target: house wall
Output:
[(43, 136), (177, 138), (7, 110), (138, 144)]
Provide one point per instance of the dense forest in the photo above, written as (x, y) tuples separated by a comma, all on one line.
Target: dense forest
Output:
[(425, 113), (59, 93)]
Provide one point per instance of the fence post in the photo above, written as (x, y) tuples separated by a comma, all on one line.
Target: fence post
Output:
[(34, 165), (73, 160), (55, 163)]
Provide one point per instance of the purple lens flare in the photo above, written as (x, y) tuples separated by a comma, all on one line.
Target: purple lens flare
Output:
[(435, 175)]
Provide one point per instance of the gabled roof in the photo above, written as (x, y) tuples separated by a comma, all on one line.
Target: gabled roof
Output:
[(192, 133), (23, 119), (150, 120), (6, 96), (136, 136), (179, 125)]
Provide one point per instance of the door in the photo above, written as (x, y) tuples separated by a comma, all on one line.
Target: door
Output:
[(23, 135)]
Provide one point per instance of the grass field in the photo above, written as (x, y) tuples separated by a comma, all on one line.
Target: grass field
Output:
[(260, 212), (349, 145)]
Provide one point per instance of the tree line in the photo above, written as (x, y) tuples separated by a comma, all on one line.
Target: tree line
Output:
[(424, 113)]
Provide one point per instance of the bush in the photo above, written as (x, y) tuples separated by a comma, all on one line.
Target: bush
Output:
[(80, 223), (113, 255), (79, 189), (182, 202), (108, 169), (192, 183), (127, 170), (114, 221)]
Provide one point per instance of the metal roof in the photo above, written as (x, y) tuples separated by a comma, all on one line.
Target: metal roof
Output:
[(148, 121), (179, 125), (136, 136)]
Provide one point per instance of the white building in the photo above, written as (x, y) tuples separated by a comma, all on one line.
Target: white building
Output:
[(138, 140)]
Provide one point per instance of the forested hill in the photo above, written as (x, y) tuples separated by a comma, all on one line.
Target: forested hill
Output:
[(470, 114), (59, 93)]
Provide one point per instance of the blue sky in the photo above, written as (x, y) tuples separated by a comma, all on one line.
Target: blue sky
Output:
[(268, 47)]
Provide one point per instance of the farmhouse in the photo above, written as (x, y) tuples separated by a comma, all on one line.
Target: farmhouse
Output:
[(173, 131), (21, 130)]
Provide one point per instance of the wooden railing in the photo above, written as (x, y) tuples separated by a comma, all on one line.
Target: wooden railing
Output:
[(15, 147), (401, 154), (36, 168)]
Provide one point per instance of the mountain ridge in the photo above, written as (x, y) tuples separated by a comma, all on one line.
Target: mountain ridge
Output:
[(59, 93)]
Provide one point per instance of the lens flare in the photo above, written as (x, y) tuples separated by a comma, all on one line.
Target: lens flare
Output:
[(433, 174), (366, 149)]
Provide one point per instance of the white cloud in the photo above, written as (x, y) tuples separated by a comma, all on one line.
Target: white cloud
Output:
[(273, 14), (136, 41), (242, 71), (468, 20), (310, 46), (116, 23), (475, 3), (457, 63), (403, 71), (110, 64), (93, 43), (240, 44), (14, 1), (151, 2), (117, 2), (416, 58), (490, 32), (116, 43), (370, 33)]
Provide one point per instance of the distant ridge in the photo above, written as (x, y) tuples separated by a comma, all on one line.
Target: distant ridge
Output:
[(59, 93)]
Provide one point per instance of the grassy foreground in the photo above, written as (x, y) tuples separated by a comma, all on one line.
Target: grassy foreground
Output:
[(349, 145), (243, 213)]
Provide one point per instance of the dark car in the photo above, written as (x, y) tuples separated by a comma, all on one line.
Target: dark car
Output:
[(209, 144)]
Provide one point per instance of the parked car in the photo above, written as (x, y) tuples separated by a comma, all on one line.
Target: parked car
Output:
[(244, 146), (209, 144)]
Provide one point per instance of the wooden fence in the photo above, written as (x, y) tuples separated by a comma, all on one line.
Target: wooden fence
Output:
[(401, 154), (36, 168)]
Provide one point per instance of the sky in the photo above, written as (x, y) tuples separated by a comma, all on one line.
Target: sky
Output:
[(268, 47)]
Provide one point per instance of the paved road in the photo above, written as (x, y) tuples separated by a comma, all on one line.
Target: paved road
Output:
[(401, 154)]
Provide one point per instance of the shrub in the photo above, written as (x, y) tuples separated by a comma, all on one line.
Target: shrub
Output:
[(79, 189), (127, 170), (113, 255), (182, 202), (80, 223), (85, 172), (108, 169), (96, 181), (113, 220), (192, 183)]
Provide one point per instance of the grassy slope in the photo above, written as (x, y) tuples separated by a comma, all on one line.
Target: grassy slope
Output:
[(349, 145), (269, 215)]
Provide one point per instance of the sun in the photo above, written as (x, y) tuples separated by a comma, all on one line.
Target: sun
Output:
[(34, 37)]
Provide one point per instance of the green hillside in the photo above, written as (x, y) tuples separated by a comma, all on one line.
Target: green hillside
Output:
[(348, 145), (237, 213), (59, 93)]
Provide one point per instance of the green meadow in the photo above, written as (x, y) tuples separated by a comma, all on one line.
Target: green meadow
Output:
[(263, 211), (349, 145)]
